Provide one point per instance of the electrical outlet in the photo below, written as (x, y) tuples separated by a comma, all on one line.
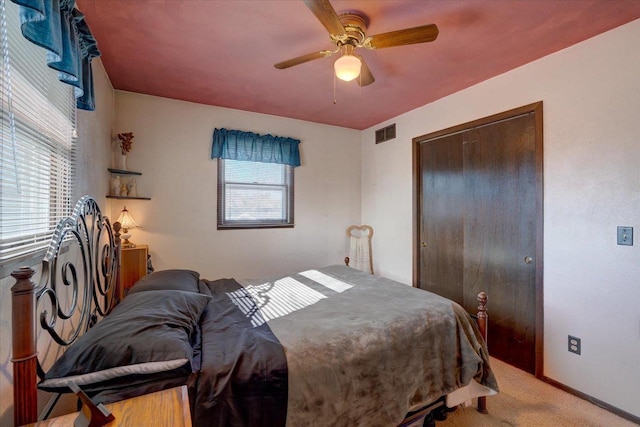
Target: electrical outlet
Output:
[(625, 236), (574, 345)]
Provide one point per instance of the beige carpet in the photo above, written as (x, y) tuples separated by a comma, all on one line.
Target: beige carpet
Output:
[(526, 401)]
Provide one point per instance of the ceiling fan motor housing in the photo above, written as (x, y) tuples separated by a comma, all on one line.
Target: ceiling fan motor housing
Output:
[(355, 24)]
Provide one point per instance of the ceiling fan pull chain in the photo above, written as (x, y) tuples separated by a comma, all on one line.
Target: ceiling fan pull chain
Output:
[(334, 89)]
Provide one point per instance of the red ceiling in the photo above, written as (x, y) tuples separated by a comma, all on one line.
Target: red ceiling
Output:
[(221, 52)]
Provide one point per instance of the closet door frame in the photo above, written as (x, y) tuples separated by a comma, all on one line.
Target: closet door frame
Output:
[(535, 108)]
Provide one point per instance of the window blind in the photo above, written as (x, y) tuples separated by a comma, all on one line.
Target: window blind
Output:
[(38, 122), (253, 194)]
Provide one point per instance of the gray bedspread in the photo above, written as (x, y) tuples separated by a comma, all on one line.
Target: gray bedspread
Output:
[(362, 350)]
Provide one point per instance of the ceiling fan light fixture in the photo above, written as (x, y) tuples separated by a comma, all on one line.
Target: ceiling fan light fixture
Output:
[(347, 67)]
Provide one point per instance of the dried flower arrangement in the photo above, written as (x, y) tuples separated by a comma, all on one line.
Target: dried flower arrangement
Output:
[(126, 141)]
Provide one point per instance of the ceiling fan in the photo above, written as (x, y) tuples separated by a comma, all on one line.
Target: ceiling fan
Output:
[(347, 31)]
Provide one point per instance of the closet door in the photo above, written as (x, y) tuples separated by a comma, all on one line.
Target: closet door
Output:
[(478, 218), (500, 234), (441, 230)]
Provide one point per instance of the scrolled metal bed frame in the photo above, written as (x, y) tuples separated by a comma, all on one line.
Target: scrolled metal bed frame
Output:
[(93, 295)]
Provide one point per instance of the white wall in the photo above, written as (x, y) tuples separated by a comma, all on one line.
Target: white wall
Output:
[(93, 154), (591, 95), (172, 146)]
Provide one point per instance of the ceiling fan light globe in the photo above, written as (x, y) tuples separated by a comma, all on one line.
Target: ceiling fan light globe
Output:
[(347, 67)]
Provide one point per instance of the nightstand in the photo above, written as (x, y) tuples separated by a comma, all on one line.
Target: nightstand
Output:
[(168, 408), (134, 266)]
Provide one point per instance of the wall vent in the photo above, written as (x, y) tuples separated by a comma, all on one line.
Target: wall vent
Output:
[(386, 133)]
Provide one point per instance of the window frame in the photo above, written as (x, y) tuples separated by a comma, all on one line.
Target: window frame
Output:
[(287, 222)]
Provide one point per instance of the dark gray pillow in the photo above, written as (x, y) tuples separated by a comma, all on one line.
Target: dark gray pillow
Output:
[(178, 280), (203, 288), (148, 334)]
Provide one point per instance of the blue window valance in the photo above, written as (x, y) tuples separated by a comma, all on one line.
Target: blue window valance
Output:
[(60, 28), (248, 146)]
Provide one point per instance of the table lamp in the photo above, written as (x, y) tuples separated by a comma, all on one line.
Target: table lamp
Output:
[(127, 223)]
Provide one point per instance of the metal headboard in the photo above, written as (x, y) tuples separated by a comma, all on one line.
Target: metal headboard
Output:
[(79, 280)]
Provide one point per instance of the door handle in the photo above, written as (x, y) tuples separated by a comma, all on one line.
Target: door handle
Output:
[(423, 244), (528, 260)]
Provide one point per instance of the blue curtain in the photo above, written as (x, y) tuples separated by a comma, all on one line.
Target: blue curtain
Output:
[(248, 146), (60, 28)]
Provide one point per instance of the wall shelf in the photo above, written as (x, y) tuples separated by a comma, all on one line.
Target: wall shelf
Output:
[(119, 172), (123, 172), (128, 198)]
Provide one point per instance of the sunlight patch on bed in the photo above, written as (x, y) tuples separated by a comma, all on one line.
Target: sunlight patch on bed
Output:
[(268, 301), (326, 280)]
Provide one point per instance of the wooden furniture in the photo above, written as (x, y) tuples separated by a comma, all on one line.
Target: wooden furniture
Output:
[(164, 408), (134, 266), (360, 232)]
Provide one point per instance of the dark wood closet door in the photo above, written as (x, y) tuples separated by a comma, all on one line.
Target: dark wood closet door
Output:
[(441, 236), (500, 236), (477, 220)]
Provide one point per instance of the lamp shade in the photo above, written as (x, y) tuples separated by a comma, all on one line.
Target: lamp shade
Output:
[(126, 221), (347, 67)]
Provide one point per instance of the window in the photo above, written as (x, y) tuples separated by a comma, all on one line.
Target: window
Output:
[(254, 194), (37, 132)]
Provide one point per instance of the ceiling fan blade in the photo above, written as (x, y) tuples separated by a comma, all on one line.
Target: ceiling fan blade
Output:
[(327, 16), (422, 34), (302, 59), (366, 78)]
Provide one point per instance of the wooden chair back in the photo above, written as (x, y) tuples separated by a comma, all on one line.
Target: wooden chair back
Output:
[(364, 259)]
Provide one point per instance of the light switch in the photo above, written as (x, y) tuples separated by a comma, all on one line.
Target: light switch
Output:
[(625, 236)]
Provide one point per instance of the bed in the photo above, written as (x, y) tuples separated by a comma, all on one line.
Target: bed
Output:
[(330, 346)]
